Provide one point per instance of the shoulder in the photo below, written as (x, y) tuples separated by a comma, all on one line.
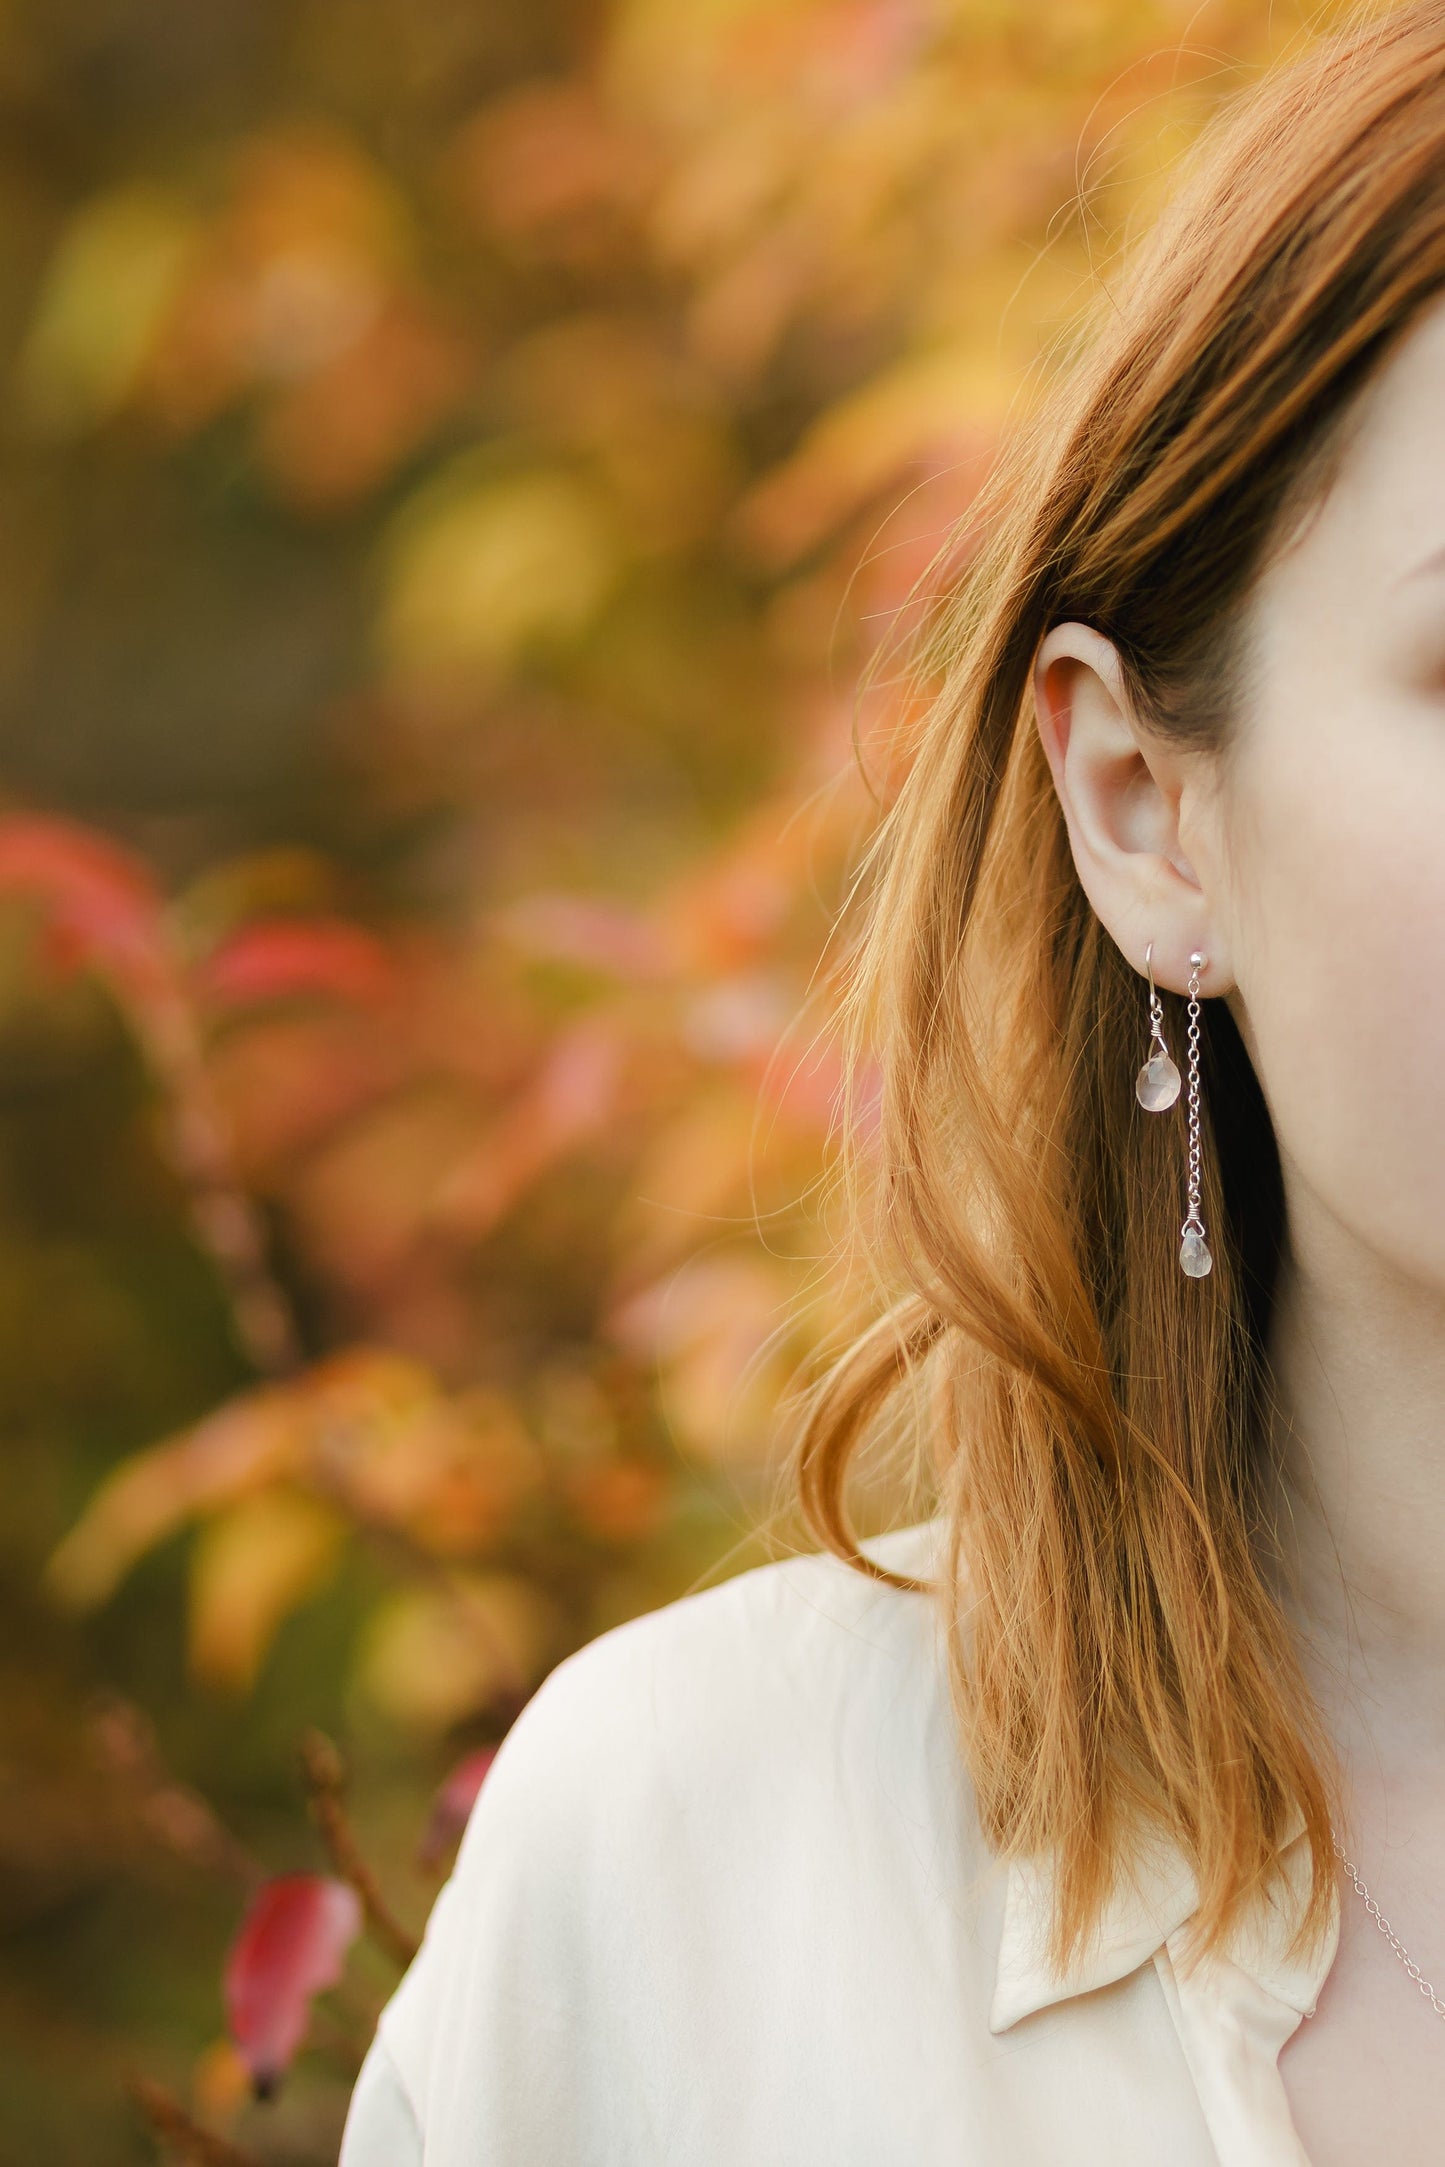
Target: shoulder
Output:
[(748, 1682), (829, 1612), (682, 1766), (717, 1673)]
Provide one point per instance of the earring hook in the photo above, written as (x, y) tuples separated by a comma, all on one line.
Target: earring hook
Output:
[(1197, 958)]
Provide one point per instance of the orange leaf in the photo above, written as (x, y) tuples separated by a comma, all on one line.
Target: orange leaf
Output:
[(620, 1500), (220, 2080), (718, 1329), (570, 1098), (251, 1441), (273, 1433), (452, 1476)]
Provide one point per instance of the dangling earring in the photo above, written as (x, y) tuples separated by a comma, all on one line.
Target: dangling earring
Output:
[(1157, 1087), (1157, 1084), (1194, 1249)]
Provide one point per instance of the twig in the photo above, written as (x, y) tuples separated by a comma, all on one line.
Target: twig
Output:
[(175, 2127), (338, 2041), (198, 1140), (325, 1778), (122, 1737)]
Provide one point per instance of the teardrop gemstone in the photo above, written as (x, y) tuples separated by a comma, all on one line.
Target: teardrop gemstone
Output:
[(1157, 1084), (1194, 1253)]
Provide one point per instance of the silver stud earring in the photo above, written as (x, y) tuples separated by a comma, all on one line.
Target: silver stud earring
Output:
[(1157, 1087)]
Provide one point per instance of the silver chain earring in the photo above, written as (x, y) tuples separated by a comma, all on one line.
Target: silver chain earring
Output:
[(1157, 1087)]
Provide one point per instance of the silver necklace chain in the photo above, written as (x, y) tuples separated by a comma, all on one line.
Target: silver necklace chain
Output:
[(1389, 1932)]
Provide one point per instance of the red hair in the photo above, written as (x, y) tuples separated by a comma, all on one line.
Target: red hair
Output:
[(1098, 1421)]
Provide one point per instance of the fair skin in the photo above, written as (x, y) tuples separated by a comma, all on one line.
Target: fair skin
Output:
[(1310, 872)]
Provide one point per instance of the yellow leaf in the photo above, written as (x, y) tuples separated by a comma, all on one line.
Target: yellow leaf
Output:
[(249, 1569), (105, 292), (482, 567), (432, 1655)]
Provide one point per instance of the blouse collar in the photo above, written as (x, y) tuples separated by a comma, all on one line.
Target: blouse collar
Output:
[(1143, 1915)]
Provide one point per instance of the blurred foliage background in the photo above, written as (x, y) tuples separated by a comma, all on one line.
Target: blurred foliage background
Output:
[(463, 470)]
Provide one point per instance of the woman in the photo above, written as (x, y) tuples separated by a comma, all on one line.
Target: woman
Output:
[(1017, 1835)]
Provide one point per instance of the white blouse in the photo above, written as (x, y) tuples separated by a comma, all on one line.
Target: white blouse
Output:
[(723, 1902)]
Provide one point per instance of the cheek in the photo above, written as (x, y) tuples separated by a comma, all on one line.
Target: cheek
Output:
[(1340, 948)]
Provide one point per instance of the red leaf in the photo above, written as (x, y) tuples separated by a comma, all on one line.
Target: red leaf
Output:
[(102, 903), (452, 1805), (267, 960), (291, 1944)]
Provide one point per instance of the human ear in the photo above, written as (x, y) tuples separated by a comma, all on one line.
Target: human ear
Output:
[(1120, 790)]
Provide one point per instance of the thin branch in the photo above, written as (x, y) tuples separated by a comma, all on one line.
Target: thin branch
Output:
[(122, 1737), (325, 1775), (180, 2130), (198, 1140)]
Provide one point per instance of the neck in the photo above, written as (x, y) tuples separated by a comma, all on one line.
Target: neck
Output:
[(1358, 1356)]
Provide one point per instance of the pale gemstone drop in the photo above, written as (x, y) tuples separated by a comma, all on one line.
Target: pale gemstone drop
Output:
[(1194, 1253), (1157, 1084)]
